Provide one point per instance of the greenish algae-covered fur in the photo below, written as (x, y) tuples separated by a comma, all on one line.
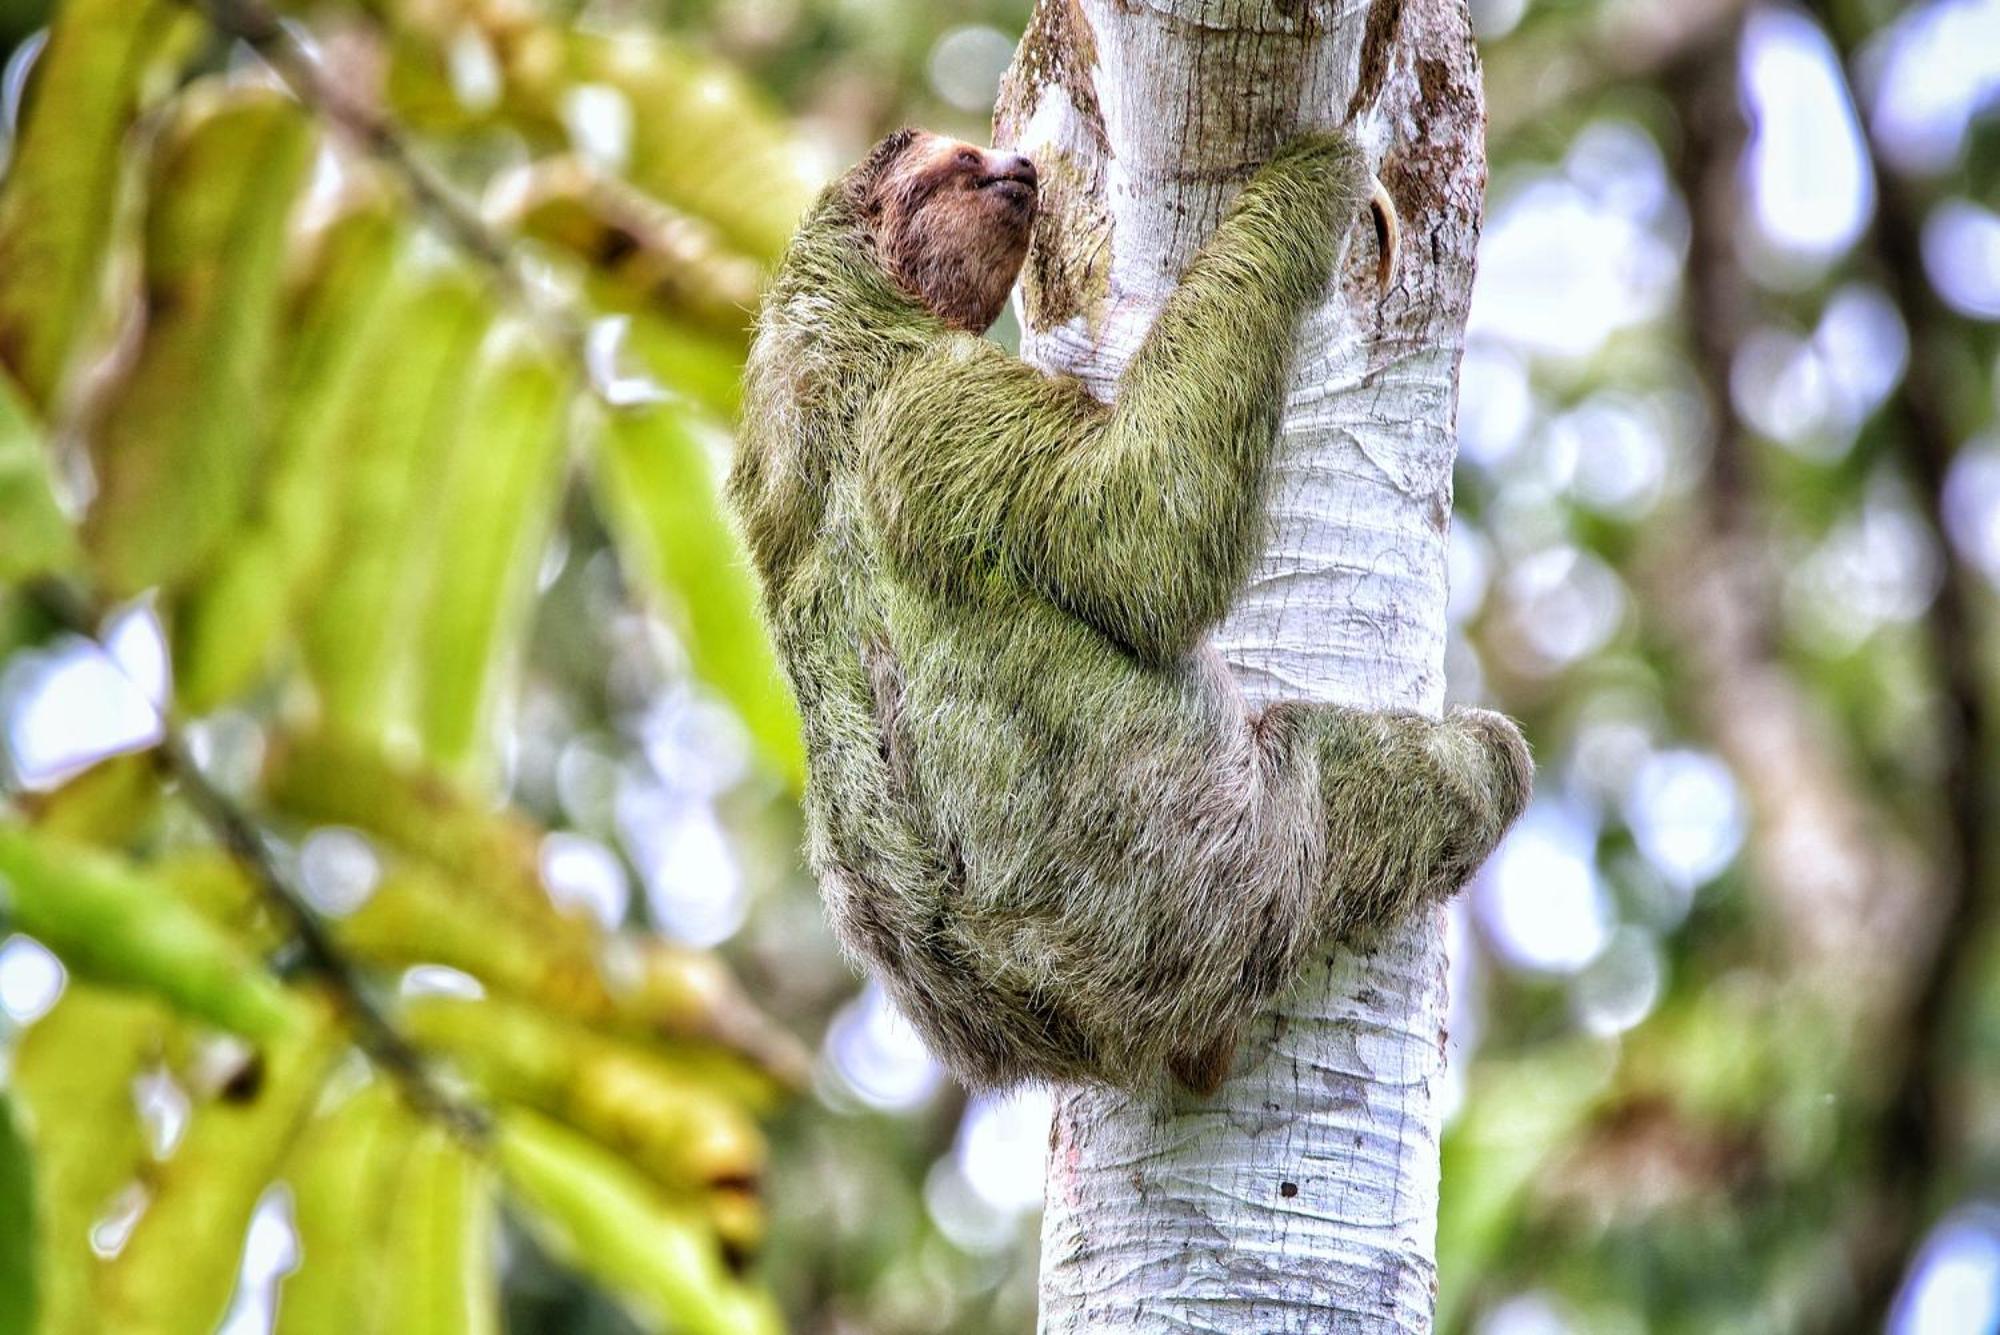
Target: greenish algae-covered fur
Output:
[(1040, 810)]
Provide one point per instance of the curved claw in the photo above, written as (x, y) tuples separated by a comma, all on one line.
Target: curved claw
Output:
[(1388, 235)]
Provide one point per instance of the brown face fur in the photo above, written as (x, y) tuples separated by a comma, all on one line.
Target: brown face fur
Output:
[(950, 220)]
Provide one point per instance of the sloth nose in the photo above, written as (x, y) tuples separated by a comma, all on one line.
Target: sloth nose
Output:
[(1018, 168)]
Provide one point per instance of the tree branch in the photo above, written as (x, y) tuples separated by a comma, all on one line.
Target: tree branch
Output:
[(1833, 871), (1914, 1141), (240, 836), (1532, 74), (288, 58)]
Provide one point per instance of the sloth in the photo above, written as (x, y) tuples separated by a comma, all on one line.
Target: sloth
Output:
[(1040, 810)]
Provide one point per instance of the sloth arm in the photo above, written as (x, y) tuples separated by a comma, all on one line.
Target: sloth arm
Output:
[(1140, 518)]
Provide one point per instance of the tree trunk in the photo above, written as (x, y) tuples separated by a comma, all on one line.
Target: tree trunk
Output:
[(1303, 1196)]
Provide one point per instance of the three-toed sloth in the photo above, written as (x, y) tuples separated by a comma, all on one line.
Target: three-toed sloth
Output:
[(1039, 808)]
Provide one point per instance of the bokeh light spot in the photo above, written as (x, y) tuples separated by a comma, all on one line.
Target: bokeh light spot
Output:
[(31, 979), (878, 1055), (1538, 899), (1810, 186)]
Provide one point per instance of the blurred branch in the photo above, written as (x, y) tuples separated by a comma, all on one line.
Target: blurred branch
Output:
[(240, 835), (1532, 75), (1840, 876), (1834, 870), (1914, 1139), (287, 56)]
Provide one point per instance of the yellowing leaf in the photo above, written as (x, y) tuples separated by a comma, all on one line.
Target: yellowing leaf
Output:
[(175, 1272), (629, 985), (686, 1135), (182, 432), (72, 1083), (611, 1223)]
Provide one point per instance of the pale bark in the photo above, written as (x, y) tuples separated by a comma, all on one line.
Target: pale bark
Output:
[(1303, 1196)]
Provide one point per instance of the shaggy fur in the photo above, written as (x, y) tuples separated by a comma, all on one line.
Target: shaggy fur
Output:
[(1038, 805)]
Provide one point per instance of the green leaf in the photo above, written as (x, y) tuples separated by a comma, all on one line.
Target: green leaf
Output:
[(1524, 1111), (17, 1228), (343, 1171), (182, 432), (234, 615), (395, 1224), (692, 362), (35, 536), (110, 923), (492, 513), (72, 1084), (658, 488), (61, 195), (608, 1221), (440, 1277), (362, 616)]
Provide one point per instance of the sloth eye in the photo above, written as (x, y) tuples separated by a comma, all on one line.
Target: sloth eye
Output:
[(967, 158)]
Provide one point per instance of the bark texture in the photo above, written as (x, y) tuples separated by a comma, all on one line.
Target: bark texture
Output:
[(1303, 1196)]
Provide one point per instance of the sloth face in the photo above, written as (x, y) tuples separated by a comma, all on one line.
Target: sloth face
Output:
[(951, 221)]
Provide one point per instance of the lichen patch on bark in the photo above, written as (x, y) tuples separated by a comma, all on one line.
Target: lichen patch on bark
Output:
[(1385, 18), (1058, 48), (1069, 256)]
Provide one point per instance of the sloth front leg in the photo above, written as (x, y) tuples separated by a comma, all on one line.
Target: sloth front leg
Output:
[(1411, 805), (1363, 819)]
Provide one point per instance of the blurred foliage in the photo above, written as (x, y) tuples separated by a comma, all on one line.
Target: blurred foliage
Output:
[(364, 389), (324, 453)]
